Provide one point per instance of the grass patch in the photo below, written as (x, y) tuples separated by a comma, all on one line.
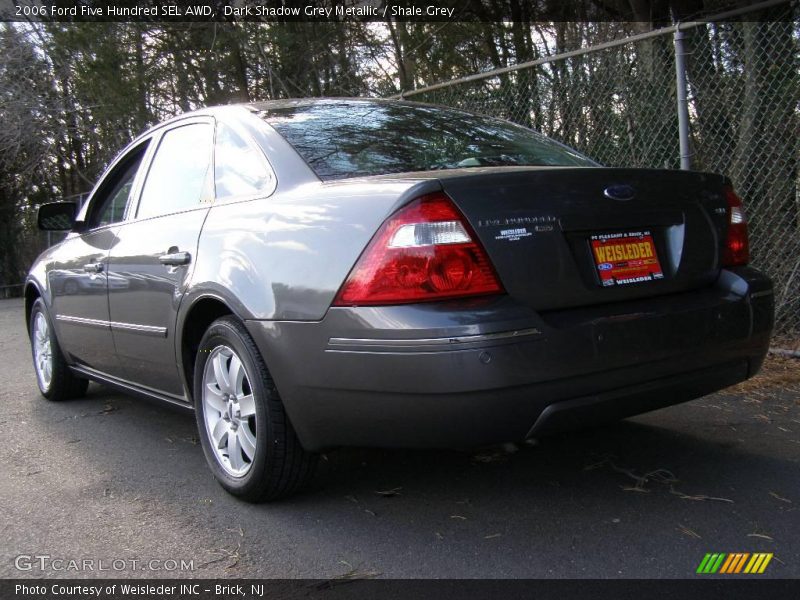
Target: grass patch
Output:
[(777, 371)]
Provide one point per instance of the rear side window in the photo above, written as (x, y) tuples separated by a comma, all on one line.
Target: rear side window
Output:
[(351, 138), (180, 174), (239, 168)]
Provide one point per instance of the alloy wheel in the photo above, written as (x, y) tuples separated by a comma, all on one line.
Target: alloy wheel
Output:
[(42, 351), (229, 411)]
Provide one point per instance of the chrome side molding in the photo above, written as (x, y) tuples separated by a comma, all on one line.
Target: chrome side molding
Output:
[(132, 327)]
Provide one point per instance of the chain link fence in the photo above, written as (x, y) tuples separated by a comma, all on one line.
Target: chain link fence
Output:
[(617, 102)]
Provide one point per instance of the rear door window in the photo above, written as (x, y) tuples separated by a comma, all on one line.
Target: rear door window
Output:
[(180, 174)]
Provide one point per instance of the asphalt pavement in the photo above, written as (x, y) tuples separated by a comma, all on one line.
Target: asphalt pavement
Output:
[(122, 483)]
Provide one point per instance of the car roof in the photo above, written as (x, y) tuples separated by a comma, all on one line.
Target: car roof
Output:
[(295, 102), (266, 105)]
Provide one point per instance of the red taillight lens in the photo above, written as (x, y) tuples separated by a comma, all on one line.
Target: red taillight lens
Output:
[(425, 251), (737, 246)]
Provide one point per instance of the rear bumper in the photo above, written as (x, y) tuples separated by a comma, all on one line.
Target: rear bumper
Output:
[(492, 370)]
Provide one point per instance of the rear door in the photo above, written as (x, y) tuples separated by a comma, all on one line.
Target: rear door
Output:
[(79, 278), (150, 265)]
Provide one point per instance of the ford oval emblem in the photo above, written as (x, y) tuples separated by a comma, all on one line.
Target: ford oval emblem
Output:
[(619, 192), (605, 266)]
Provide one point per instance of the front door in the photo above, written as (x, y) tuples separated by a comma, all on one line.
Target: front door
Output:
[(79, 279), (150, 265)]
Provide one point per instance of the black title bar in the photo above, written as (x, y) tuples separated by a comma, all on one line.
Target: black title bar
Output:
[(350, 10), (708, 588)]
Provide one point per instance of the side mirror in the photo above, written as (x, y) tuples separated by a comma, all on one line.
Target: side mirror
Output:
[(57, 216)]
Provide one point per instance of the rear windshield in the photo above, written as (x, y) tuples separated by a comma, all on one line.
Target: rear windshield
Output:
[(349, 138)]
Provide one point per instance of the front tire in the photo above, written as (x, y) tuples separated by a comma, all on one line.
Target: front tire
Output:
[(248, 441), (56, 381)]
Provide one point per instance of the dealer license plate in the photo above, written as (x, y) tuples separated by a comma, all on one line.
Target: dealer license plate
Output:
[(625, 258)]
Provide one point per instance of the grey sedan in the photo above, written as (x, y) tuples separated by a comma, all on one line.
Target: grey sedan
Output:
[(307, 274)]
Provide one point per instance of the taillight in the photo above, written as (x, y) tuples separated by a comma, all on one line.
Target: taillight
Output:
[(425, 251), (737, 246)]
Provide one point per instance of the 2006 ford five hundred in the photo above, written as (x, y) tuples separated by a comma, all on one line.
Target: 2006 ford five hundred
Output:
[(308, 274)]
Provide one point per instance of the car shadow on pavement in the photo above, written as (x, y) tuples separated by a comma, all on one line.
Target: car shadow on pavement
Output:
[(681, 460), (625, 457)]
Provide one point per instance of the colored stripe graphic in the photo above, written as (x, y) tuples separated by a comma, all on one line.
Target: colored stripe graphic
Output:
[(765, 563), (758, 563), (723, 563), (740, 564), (711, 563), (734, 563), (717, 564), (732, 558), (703, 563)]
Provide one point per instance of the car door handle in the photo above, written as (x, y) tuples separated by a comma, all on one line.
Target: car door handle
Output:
[(95, 267), (175, 259)]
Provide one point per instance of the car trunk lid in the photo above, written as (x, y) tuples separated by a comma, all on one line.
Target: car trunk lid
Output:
[(562, 237)]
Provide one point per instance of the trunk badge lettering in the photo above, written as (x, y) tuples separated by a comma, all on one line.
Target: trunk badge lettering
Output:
[(623, 193), (516, 221)]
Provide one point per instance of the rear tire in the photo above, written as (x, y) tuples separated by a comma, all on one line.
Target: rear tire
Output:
[(56, 381), (248, 440)]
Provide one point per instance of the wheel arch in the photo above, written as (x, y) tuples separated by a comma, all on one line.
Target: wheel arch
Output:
[(32, 292), (198, 316)]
